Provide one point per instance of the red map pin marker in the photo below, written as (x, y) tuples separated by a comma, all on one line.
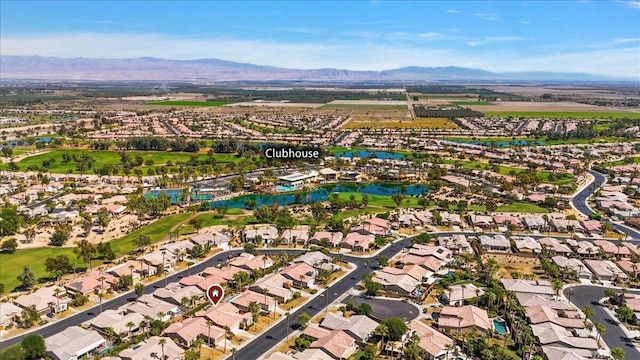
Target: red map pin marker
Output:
[(215, 293)]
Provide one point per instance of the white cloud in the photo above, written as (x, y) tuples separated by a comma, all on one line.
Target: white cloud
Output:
[(355, 54), (453, 11), (429, 35), (523, 22), (488, 17), (633, 4), (625, 40)]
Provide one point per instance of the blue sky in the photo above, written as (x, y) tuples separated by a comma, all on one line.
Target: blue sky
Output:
[(599, 37)]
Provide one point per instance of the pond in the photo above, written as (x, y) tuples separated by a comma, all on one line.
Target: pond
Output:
[(365, 153), (322, 193)]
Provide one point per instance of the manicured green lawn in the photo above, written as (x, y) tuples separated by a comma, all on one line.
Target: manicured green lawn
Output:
[(506, 170), (104, 157), (521, 207), (189, 103), (566, 114), (11, 264), (634, 160), (380, 200)]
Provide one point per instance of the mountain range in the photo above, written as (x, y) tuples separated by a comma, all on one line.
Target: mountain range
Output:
[(149, 68)]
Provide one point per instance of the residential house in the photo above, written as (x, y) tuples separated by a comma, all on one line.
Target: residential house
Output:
[(127, 268), (152, 307), (336, 343), (435, 343), (185, 331), (505, 220), (227, 315), (456, 294), (150, 348), (564, 225), (160, 258), (117, 321), (567, 265), (611, 249), (457, 243), (318, 260), (9, 313), (174, 293), (332, 239), (360, 327), (540, 314), (554, 246), (92, 282), (401, 284), (73, 343), (262, 233), (527, 244), (495, 243), (211, 239), (527, 299), (249, 262), (549, 333), (593, 227), (605, 270), (586, 249), (179, 248), (358, 242), (243, 300), (296, 236), (632, 269), (481, 221), (50, 299), (274, 285), (541, 287), (464, 318), (534, 222), (301, 274)]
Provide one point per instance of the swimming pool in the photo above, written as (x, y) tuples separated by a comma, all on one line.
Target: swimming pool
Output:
[(284, 188), (500, 326)]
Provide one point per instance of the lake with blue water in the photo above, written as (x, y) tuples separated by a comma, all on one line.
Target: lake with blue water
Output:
[(366, 153), (322, 194)]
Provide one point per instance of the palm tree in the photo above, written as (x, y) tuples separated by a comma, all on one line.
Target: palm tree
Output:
[(130, 325), (131, 267), (588, 313), (209, 323), (162, 342), (383, 331), (287, 314), (459, 323), (57, 292), (100, 296), (163, 268), (233, 353), (226, 336), (197, 343), (600, 329)]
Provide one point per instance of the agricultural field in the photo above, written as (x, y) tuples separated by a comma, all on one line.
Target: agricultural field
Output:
[(552, 110), (110, 157), (419, 123), (189, 103)]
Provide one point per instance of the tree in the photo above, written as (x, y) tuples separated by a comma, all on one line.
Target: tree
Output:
[(29, 234), (139, 289), (33, 346), (383, 260), (9, 246), (588, 312), (85, 251), (142, 241), (162, 342), (397, 328), (364, 309), (373, 287), (382, 330), (61, 234), (14, 352), (29, 316), (197, 223), (617, 353), (610, 293), (600, 329), (397, 199), (303, 320), (254, 309), (625, 313), (26, 277), (370, 352), (103, 218), (58, 266), (11, 221)]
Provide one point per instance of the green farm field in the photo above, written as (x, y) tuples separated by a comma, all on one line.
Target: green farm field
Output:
[(104, 157)]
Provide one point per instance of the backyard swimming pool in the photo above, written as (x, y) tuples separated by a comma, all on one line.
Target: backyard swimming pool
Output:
[(500, 326)]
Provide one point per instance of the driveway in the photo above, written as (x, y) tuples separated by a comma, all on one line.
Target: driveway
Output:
[(386, 308)]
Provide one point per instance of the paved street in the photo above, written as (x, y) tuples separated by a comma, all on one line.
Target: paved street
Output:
[(585, 295)]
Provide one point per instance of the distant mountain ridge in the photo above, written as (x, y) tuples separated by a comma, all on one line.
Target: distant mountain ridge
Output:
[(150, 68)]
